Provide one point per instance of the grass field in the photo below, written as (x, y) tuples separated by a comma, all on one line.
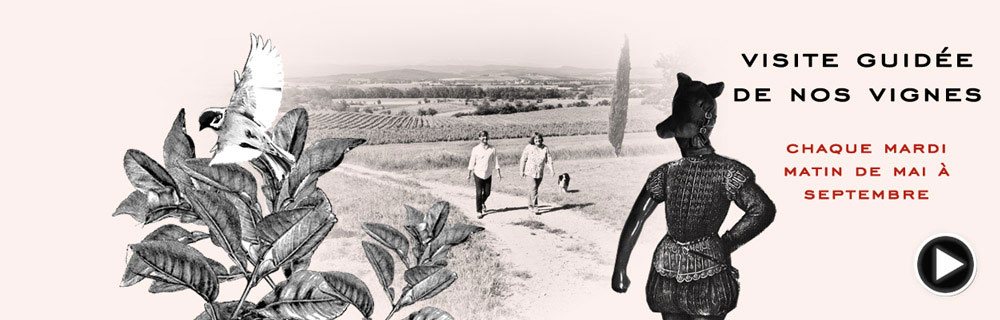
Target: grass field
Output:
[(454, 155), (481, 287)]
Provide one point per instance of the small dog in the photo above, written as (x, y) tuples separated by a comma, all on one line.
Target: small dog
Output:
[(564, 182)]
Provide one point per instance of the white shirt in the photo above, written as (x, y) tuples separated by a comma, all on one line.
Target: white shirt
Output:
[(483, 161)]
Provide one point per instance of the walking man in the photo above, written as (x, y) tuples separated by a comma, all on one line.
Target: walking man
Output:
[(482, 163)]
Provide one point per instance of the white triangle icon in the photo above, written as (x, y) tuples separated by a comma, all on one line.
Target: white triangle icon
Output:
[(945, 264)]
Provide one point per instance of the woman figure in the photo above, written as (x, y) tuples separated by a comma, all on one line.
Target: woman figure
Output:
[(533, 160), (691, 276)]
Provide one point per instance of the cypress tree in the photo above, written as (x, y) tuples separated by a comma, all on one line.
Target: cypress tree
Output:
[(619, 102)]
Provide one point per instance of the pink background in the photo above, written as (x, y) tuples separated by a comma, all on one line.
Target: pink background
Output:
[(83, 82)]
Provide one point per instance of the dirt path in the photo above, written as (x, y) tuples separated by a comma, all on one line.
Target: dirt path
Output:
[(561, 262)]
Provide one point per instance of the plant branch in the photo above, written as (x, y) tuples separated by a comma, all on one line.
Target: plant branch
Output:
[(425, 256), (405, 262), (246, 273), (266, 278), (243, 298), (387, 293), (269, 281), (395, 307), (398, 304)]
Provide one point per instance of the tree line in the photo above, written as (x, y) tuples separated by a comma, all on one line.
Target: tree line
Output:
[(304, 95)]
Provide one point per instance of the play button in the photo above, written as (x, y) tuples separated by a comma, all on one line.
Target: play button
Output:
[(945, 264)]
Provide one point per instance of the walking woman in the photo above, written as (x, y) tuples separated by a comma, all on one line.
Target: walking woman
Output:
[(533, 160), (482, 163), (691, 276)]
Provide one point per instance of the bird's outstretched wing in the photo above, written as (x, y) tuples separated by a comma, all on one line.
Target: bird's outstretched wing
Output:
[(258, 89), (231, 153)]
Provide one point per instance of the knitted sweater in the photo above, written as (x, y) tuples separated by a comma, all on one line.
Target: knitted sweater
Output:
[(696, 192)]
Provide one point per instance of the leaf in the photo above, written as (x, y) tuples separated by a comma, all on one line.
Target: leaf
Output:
[(220, 270), (389, 237), (296, 265), (349, 287), (224, 274), (183, 213), (317, 199), (174, 232), (457, 234), (309, 197), (178, 145), (160, 286), (451, 236), (249, 216), (382, 263), (305, 295), (219, 311), (429, 313), (191, 218), (416, 227), (419, 273), (321, 157), (182, 179), (429, 287), (276, 224), (233, 274), (162, 197), (145, 174), (250, 219), (295, 243), (166, 204), (290, 131), (269, 193), (175, 262), (134, 205), (418, 251), (308, 187), (437, 254), (222, 220), (228, 177), (137, 205), (436, 217), (269, 182), (163, 285)]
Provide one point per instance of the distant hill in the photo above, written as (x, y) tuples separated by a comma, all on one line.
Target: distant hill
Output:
[(392, 75), (509, 70), (414, 73)]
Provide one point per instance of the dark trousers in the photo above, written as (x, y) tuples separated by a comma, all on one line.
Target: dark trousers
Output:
[(482, 191)]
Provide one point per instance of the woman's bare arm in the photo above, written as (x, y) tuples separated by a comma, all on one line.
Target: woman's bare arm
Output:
[(548, 162), (524, 158)]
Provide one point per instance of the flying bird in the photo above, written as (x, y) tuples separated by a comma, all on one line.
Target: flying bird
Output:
[(242, 125)]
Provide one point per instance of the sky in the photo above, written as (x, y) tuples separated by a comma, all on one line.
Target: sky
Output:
[(530, 33)]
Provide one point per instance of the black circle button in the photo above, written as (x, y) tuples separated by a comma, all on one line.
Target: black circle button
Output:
[(946, 264)]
